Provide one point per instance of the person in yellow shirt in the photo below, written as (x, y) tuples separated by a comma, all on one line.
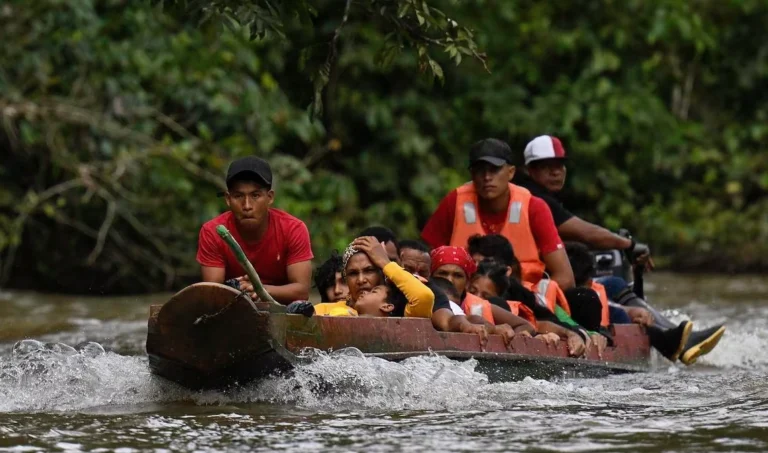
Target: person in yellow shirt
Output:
[(378, 286)]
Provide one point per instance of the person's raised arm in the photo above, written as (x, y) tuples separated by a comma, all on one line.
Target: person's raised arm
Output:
[(420, 298)]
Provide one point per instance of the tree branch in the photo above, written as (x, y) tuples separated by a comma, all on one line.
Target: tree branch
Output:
[(321, 79), (105, 226)]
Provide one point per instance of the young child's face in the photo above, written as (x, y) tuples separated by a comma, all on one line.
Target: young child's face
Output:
[(373, 302), (483, 287)]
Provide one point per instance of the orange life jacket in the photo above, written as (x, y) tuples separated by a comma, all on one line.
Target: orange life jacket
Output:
[(517, 228), (605, 318), (522, 310), (548, 294), (473, 305)]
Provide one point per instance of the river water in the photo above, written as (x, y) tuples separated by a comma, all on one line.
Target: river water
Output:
[(59, 399)]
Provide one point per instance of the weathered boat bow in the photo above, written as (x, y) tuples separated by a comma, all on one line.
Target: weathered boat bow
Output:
[(209, 335)]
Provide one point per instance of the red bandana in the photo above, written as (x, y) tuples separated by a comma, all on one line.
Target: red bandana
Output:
[(452, 255)]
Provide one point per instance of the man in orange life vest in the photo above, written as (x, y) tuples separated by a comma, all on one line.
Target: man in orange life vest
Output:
[(490, 204)]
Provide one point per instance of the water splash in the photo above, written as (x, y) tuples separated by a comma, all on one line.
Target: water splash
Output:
[(346, 379), (57, 377)]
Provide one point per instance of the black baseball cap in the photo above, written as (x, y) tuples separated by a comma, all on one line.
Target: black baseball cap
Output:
[(250, 166), (491, 150)]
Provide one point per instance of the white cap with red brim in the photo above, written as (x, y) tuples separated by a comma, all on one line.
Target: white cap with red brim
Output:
[(543, 147)]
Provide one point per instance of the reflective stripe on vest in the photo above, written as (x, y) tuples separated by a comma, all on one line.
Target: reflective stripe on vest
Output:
[(473, 305), (605, 316), (470, 213), (549, 294), (517, 228)]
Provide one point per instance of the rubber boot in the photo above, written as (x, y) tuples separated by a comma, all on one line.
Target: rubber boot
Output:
[(670, 342), (699, 343)]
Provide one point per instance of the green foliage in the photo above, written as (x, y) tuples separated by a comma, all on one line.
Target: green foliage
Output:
[(119, 119)]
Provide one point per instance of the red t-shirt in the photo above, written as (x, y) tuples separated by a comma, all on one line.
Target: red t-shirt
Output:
[(286, 242), (439, 227)]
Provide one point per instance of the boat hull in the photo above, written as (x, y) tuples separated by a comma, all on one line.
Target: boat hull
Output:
[(209, 336)]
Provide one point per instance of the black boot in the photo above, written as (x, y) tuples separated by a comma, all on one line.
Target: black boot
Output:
[(670, 342), (700, 343)]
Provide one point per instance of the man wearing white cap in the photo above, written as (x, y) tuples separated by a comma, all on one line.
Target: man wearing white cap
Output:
[(545, 164)]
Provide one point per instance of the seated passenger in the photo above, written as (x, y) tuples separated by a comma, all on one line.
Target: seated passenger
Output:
[(329, 280), (669, 342), (491, 283), (414, 257), (365, 264)]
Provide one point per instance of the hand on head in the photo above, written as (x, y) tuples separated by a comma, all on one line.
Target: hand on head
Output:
[(374, 249)]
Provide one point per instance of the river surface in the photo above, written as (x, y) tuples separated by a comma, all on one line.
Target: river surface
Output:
[(59, 399)]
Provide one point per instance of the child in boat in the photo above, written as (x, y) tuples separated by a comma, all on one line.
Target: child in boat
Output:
[(378, 286), (329, 280)]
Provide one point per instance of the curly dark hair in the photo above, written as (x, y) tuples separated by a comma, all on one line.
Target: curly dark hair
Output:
[(325, 274)]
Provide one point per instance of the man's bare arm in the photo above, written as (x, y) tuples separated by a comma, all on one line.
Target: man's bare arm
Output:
[(595, 236), (212, 274), (559, 268), (299, 277)]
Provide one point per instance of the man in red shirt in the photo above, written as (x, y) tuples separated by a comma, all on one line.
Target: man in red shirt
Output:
[(275, 242), (498, 211)]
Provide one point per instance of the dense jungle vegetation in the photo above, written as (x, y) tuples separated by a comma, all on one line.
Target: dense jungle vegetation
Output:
[(120, 117)]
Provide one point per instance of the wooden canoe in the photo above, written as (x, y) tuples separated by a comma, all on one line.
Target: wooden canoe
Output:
[(209, 336)]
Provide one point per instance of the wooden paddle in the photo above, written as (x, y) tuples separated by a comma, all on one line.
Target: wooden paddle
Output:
[(249, 270)]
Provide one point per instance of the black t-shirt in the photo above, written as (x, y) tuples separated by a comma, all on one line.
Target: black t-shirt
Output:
[(559, 213), (441, 300)]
